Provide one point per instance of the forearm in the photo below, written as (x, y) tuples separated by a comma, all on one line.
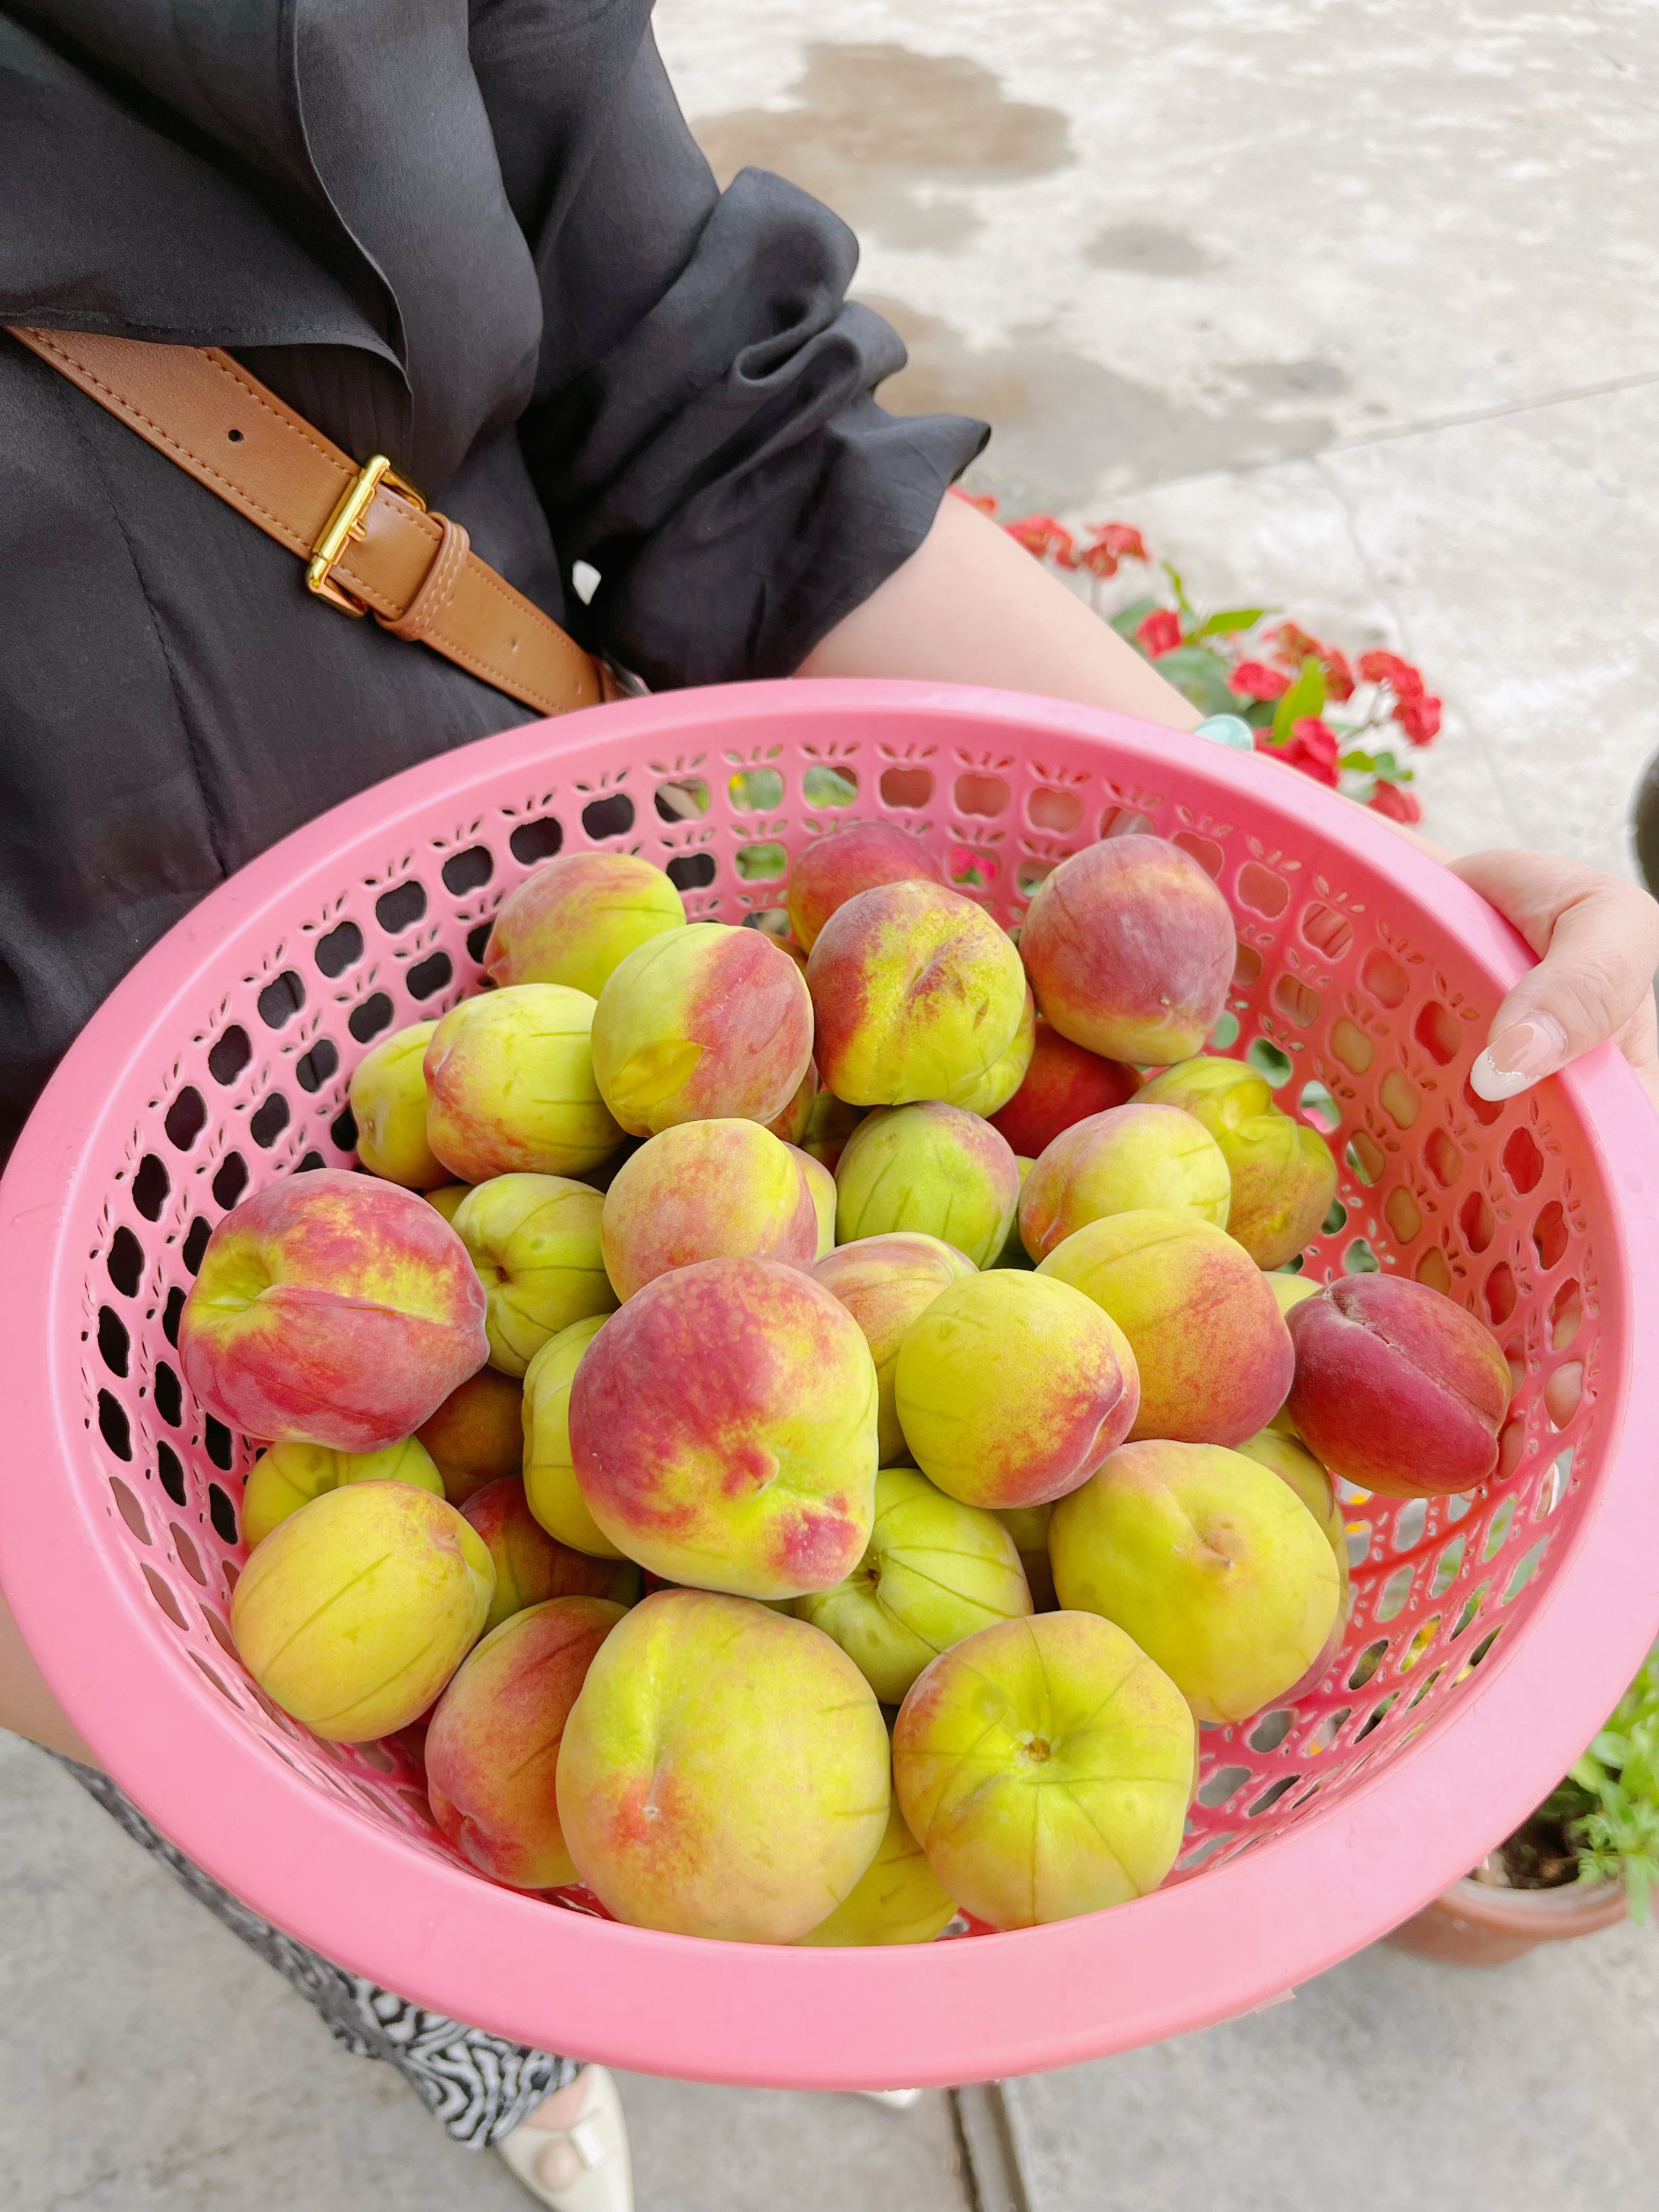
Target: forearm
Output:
[(26, 1705), (969, 606)]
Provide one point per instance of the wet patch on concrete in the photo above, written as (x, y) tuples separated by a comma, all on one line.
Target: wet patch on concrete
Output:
[(1147, 249), (1067, 429), (893, 140)]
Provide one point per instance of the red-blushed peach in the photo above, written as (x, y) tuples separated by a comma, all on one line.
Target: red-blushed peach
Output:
[(792, 1125), (1011, 1388), (918, 994), (705, 1023), (550, 1488), (1211, 1563), (355, 1612), (707, 1190), (492, 1751), (1290, 1291), (512, 1085), (832, 1122), (575, 918), (884, 1283), (447, 1197), (1210, 1344), (1130, 949), (1045, 1766), (834, 869), (934, 1572), (477, 1435), (1284, 1175), (290, 1475), (821, 1188), (531, 1566), (1063, 1085), (931, 1167), (725, 1771), (1124, 1161), (723, 1427), (1397, 1388), (537, 1243), (332, 1308), (896, 1899), (1000, 1082), (388, 1103)]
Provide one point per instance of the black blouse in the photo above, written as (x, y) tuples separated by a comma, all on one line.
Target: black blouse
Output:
[(479, 240)]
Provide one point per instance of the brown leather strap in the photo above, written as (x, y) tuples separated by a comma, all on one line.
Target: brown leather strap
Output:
[(414, 572)]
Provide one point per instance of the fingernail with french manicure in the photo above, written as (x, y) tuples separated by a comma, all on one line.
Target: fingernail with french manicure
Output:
[(1521, 1056)]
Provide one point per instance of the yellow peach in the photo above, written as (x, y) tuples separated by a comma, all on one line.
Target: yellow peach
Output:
[(575, 919), (551, 1490), (536, 1243), (513, 1088), (388, 1103)]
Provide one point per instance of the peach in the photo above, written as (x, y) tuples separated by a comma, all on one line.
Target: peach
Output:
[(1397, 1387), (792, 1125), (1130, 949), (1063, 1084), (1013, 1253), (821, 1188), (884, 1283), (1045, 1766), (928, 1167), (492, 1751), (1029, 1527), (290, 1475), (551, 1488), (447, 1197), (1000, 1082), (332, 1308), (832, 1122), (388, 1103), (536, 1243), (1290, 1291), (1210, 1344), (531, 1566), (705, 1023), (1283, 1176), (1211, 1563), (917, 992), (723, 1427), (477, 1435), (896, 1899), (1293, 1463), (858, 858), (1011, 1388), (575, 919), (355, 1612), (513, 1088), (706, 1190), (1123, 1161), (934, 1572), (725, 1771)]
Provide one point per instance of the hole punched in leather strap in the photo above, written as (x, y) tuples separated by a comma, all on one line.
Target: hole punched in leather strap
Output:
[(415, 571)]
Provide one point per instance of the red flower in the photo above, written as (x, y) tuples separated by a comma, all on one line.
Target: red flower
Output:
[(1159, 633), (1292, 646), (1312, 747), (1254, 679), (1396, 802), (1042, 535), (1415, 710), (984, 500), (1111, 542), (1420, 718)]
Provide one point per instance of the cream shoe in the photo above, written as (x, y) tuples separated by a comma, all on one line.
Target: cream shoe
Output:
[(601, 2176)]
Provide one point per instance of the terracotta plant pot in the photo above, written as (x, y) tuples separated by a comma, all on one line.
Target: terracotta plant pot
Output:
[(1476, 1923)]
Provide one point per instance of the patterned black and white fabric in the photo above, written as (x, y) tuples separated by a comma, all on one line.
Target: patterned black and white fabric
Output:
[(476, 2086)]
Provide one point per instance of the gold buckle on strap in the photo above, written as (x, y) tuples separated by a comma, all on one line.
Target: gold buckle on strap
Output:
[(345, 524)]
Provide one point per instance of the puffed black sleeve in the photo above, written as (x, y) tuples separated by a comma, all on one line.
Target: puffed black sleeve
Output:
[(704, 433)]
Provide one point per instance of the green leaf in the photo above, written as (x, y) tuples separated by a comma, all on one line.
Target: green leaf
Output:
[(1200, 676), (1177, 587), (1305, 697), (1127, 620), (1229, 620)]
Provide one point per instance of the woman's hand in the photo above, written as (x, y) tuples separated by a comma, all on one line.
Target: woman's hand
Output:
[(1597, 939)]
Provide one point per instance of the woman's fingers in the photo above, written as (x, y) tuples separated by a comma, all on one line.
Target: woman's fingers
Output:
[(1597, 938)]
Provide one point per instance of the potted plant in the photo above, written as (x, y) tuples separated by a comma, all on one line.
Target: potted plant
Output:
[(1588, 1855)]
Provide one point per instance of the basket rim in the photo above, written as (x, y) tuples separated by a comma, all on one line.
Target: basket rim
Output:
[(906, 2016)]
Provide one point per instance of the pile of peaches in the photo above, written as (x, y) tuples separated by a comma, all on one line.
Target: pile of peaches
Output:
[(799, 1432)]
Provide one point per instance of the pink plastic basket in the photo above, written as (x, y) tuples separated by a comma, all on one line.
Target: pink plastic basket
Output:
[(1489, 1634)]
